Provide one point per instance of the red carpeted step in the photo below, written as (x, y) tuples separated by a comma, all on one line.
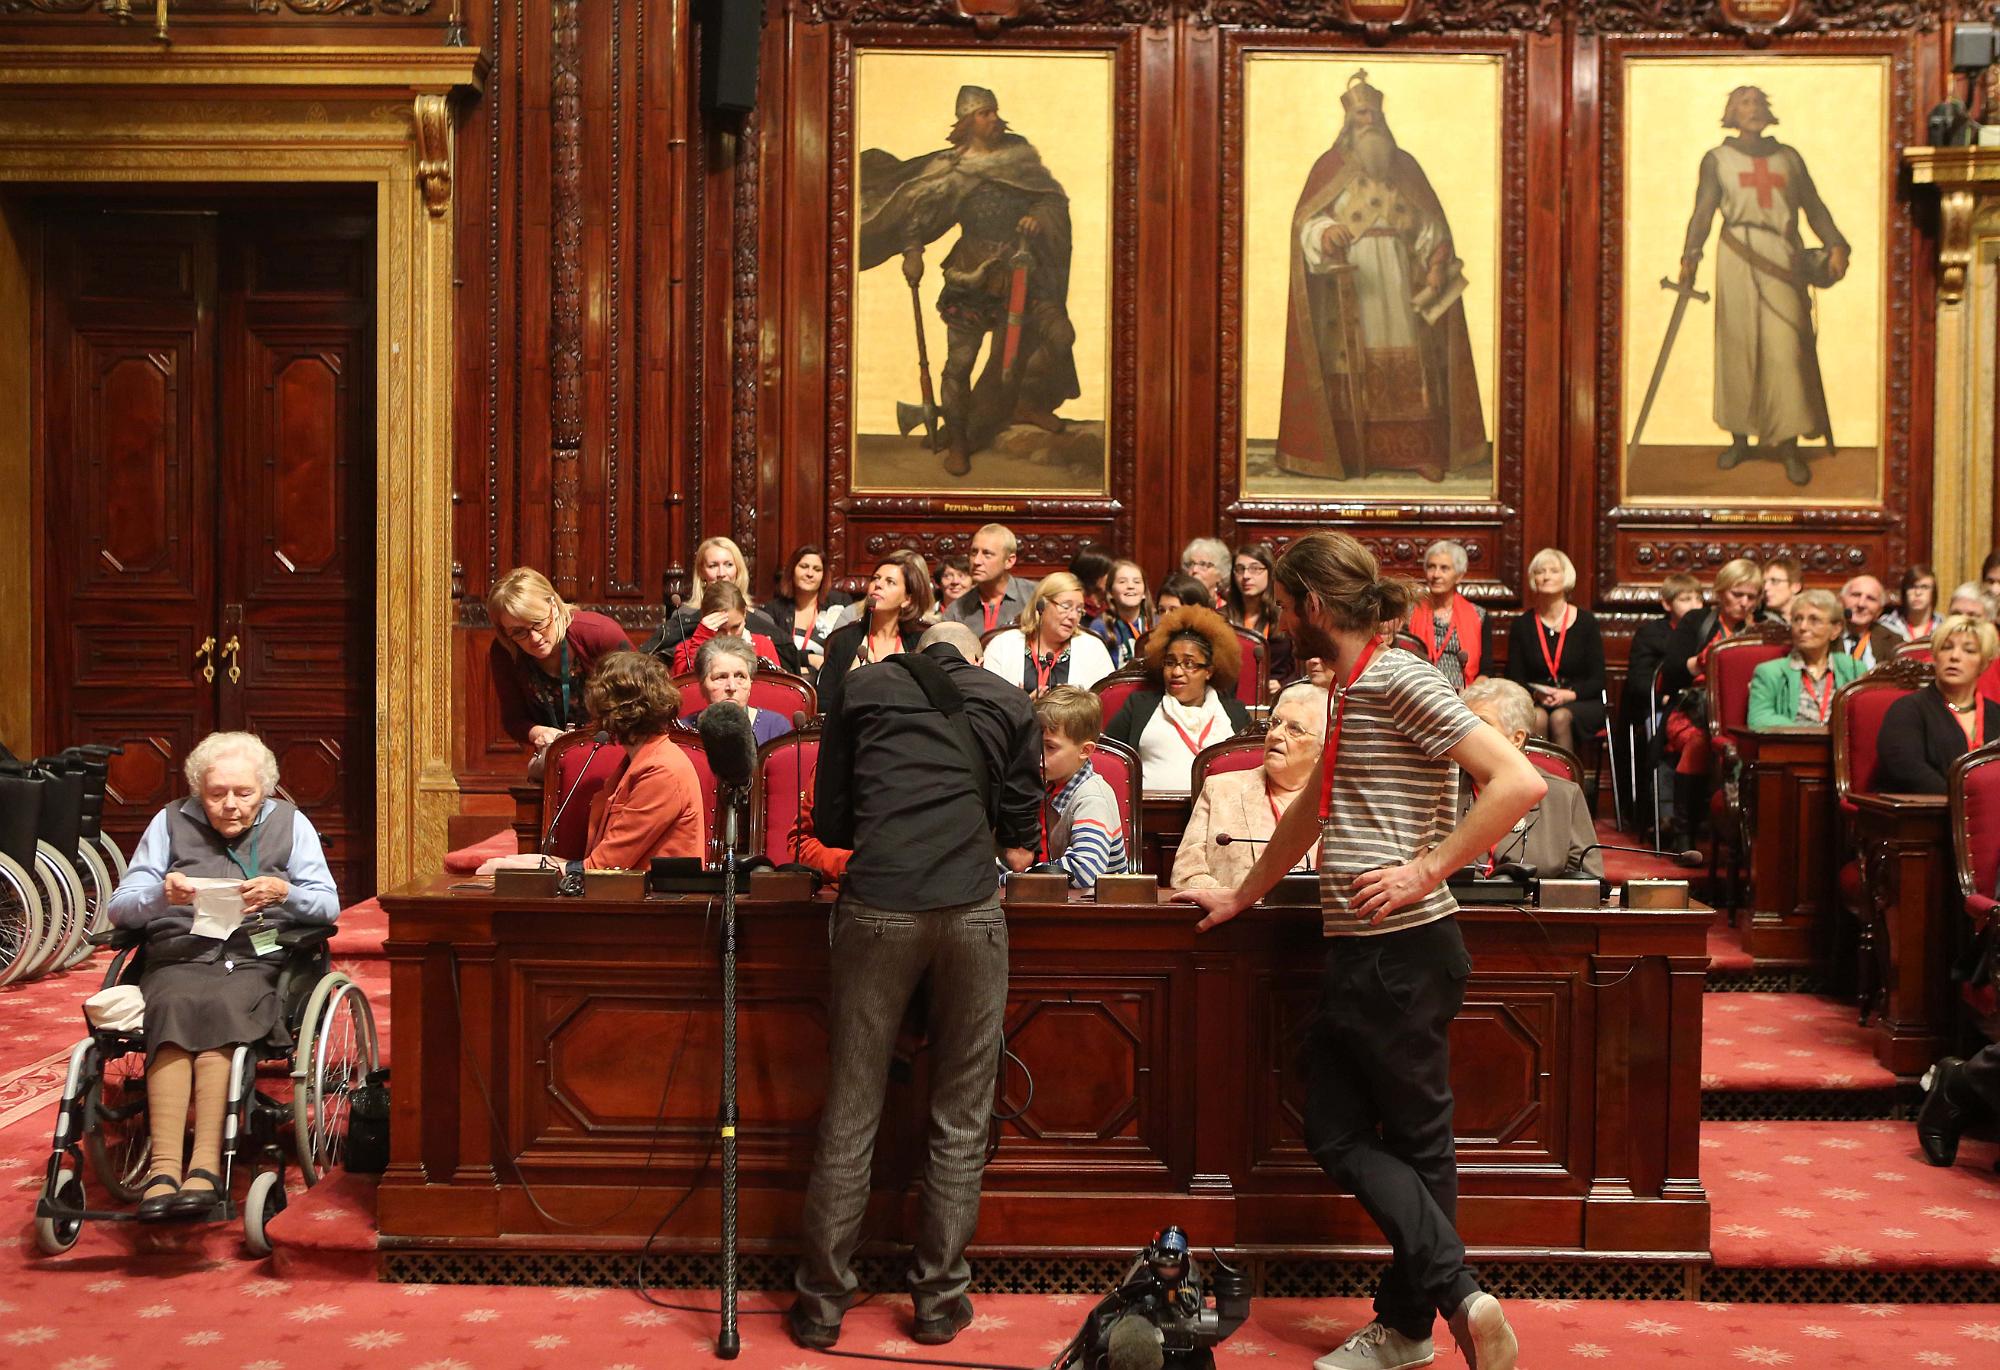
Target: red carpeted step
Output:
[(1725, 948), (362, 929), (1852, 1194), (328, 1231), (466, 860), (1758, 1042)]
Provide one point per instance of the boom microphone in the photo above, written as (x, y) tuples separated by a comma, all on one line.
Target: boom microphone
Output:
[(731, 743), (596, 744)]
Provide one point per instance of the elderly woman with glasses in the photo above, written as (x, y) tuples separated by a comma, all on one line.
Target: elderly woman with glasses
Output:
[(543, 651), (1553, 836), (1192, 660), (1050, 647), (206, 995), (1248, 804)]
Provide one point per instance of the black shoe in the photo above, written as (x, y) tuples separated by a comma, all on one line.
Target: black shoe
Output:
[(159, 1205), (1939, 1120), (813, 1336), (941, 1326), (1733, 455), (196, 1203)]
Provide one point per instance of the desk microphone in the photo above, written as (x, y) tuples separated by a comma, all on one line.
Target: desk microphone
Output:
[(596, 743), (1223, 839), (1690, 858)]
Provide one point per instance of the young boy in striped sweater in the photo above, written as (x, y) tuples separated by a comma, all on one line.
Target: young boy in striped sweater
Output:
[(1084, 835)]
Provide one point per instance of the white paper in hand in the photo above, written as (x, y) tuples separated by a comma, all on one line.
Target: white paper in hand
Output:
[(218, 906)]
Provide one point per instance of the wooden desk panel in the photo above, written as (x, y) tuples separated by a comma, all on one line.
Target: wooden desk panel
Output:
[(1910, 871), (1162, 1065), (1790, 808)]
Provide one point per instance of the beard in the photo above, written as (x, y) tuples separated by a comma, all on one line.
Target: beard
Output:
[(1309, 639), (1374, 148)]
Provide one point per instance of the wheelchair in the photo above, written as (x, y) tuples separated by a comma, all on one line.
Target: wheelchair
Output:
[(304, 1075), (57, 867)]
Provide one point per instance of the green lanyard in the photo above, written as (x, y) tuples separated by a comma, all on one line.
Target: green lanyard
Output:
[(250, 868)]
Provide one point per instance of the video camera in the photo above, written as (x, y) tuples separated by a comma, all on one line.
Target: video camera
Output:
[(1160, 1317)]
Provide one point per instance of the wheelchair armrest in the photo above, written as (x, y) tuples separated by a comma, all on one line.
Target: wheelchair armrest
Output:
[(116, 938), (318, 935)]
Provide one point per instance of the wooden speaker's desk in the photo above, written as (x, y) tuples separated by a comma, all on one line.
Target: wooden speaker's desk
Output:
[(1909, 868), (1789, 811), (571, 1047)]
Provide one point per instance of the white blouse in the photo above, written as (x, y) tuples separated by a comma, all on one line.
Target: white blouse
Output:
[(1173, 735)]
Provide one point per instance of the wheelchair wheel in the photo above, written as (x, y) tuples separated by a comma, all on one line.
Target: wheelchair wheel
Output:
[(58, 911), (265, 1201), (337, 1050), (20, 920), (64, 945), (116, 1136), (97, 882), (113, 857), (57, 1235)]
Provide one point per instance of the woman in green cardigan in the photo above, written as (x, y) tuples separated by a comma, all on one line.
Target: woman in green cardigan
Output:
[(1799, 687)]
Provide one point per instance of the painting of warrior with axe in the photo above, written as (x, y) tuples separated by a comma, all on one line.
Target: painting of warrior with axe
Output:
[(981, 237), (1765, 254)]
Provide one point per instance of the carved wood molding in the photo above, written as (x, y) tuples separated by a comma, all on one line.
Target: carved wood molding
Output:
[(1660, 556), (1761, 20), (1500, 514), (434, 134), (989, 17), (354, 7), (566, 208), (1380, 22), (1094, 514), (1887, 522), (745, 349)]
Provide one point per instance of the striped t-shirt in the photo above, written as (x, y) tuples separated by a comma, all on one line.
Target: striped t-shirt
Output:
[(1395, 792)]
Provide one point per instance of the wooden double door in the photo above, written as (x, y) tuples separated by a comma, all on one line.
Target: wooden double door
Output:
[(209, 477)]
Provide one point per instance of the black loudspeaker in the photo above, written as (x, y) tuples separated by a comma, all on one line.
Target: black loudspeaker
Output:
[(729, 43)]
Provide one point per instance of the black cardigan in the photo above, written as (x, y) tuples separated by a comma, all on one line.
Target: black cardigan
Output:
[(1582, 663), (842, 645), (784, 618), (1920, 738), (1141, 705)]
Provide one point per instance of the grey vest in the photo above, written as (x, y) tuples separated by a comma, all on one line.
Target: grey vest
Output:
[(197, 850)]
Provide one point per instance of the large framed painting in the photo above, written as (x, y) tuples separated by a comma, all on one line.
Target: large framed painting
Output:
[(980, 255), (1757, 194), (1371, 231)]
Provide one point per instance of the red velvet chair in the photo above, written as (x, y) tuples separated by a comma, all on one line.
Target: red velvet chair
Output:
[(1250, 681), (786, 770), (1243, 752), (564, 773), (1919, 649), (1730, 665), (1116, 688), (781, 692), (1119, 765), (1554, 759), (1858, 710), (1975, 835)]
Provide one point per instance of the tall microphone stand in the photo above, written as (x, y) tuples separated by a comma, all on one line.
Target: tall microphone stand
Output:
[(727, 1343)]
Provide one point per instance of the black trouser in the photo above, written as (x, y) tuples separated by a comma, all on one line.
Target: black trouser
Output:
[(1378, 1106), (1981, 1080)]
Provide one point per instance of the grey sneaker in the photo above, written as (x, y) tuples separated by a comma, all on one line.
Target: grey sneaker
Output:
[(1482, 1333), (1376, 1347)]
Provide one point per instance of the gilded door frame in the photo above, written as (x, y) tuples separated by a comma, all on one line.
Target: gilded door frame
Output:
[(244, 115)]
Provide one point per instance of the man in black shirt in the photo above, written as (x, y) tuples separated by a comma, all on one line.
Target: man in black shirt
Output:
[(928, 767)]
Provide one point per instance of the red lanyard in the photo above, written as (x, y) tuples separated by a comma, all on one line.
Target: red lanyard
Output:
[(989, 609), (1978, 723), (1194, 744), (1334, 718), (1042, 674), (1562, 639), (1821, 697)]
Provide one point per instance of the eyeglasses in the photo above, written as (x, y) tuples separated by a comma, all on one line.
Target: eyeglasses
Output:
[(1186, 663), (1062, 610), (521, 633), (1290, 728)]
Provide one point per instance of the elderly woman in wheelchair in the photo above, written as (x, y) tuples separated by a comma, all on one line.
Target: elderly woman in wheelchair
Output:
[(234, 849)]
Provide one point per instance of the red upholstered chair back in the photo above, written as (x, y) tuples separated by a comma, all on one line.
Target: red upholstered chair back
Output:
[(1975, 820), (1116, 688), (1243, 752), (1857, 719), (1920, 649), (1555, 760), (787, 767), (1256, 666), (781, 692), (563, 766), (1730, 666), (1119, 765)]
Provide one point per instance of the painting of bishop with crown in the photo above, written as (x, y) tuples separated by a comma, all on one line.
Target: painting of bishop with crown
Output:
[(1378, 361)]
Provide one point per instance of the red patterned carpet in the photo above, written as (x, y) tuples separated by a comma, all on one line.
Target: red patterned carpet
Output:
[(1786, 1041)]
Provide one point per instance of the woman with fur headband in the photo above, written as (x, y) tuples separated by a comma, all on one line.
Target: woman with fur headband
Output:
[(1193, 657)]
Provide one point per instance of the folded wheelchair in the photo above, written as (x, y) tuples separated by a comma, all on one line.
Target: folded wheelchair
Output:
[(304, 1075)]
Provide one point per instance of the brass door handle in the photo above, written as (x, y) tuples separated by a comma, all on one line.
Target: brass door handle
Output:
[(206, 655), (230, 650)]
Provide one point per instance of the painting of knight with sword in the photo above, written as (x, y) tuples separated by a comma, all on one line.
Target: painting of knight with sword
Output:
[(1769, 396), (1005, 286)]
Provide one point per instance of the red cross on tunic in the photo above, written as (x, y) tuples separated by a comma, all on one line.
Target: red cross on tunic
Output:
[(1763, 180)]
